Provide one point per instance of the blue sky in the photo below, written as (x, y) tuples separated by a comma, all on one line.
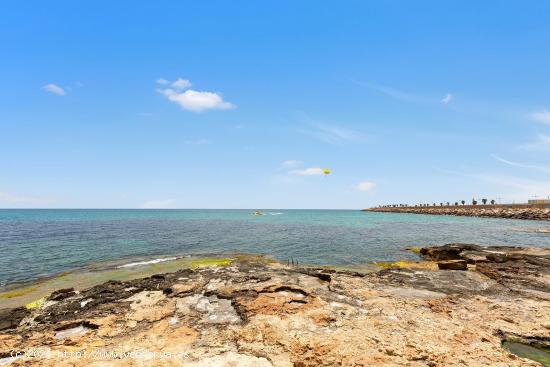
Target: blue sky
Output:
[(238, 104)]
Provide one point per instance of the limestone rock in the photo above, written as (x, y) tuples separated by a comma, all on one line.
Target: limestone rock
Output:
[(263, 314)]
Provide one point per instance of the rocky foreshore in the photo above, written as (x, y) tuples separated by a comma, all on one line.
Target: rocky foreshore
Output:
[(493, 211), (253, 312)]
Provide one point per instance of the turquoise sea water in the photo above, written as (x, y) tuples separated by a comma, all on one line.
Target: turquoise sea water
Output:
[(41, 243)]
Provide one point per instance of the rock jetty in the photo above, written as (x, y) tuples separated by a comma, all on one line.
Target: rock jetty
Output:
[(254, 312), (492, 211)]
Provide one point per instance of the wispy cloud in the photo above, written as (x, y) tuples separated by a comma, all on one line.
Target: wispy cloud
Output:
[(541, 143), (198, 142), (447, 99), (55, 89), (332, 134), (541, 116), (511, 188), (158, 204), (312, 171), (291, 163), (364, 186), (521, 165), (518, 188), (404, 95), (162, 81), (328, 133), (394, 93), (15, 199)]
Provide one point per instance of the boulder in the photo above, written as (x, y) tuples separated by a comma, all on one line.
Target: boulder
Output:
[(452, 265), (452, 251)]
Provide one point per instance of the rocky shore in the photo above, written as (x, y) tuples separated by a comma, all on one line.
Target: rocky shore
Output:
[(254, 312), (492, 211)]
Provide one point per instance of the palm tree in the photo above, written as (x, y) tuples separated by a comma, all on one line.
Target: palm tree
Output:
[(463, 202), (493, 202), (484, 201), (456, 203)]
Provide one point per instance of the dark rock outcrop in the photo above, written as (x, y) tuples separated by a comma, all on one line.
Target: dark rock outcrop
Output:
[(11, 317), (453, 265), (518, 268), (60, 294)]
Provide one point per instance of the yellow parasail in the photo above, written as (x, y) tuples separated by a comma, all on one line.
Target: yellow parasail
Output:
[(326, 171)]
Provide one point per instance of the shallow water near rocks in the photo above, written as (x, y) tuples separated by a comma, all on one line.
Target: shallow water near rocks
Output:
[(526, 351), (36, 244)]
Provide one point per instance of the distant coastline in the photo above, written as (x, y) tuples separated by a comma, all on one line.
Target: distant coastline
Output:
[(509, 211)]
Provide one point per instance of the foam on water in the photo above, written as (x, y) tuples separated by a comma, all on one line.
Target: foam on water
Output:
[(140, 263)]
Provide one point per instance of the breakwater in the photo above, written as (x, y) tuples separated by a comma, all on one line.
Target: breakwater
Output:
[(517, 211)]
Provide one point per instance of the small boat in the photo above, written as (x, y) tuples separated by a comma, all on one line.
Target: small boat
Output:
[(257, 212)]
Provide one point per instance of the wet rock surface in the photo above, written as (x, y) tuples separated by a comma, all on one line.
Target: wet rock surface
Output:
[(257, 313)]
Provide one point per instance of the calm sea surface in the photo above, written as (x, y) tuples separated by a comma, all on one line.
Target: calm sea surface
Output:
[(40, 243)]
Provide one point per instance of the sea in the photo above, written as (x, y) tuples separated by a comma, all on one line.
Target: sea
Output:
[(37, 243)]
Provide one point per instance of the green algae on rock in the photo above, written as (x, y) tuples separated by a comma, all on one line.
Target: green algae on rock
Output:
[(541, 355), (199, 263)]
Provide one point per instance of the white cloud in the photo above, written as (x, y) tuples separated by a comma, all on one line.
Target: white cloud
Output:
[(291, 163), (541, 116), (55, 89), (364, 186), (162, 81), (14, 199), (313, 171), (196, 101), (447, 99), (181, 84), (521, 165), (158, 204)]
